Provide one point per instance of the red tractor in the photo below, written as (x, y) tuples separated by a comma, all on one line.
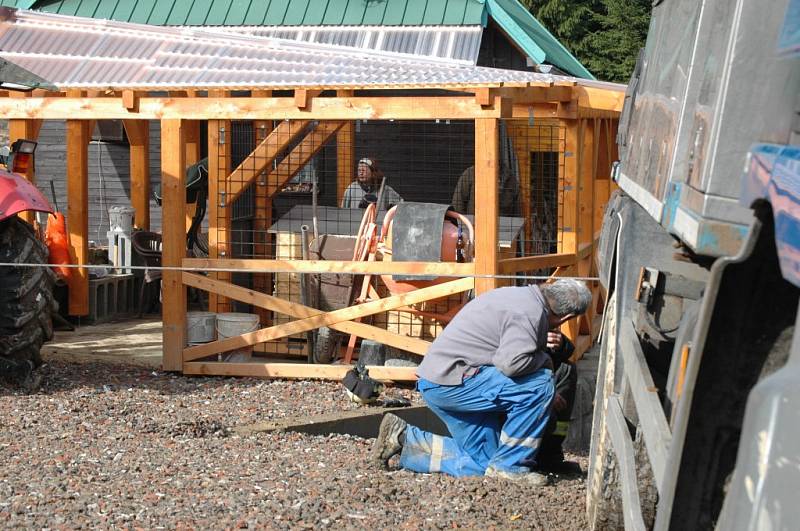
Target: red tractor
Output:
[(26, 291)]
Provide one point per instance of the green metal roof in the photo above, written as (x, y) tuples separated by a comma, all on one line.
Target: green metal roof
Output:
[(531, 37), (272, 12)]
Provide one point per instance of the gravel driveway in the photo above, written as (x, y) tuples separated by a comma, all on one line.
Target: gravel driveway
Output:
[(110, 445)]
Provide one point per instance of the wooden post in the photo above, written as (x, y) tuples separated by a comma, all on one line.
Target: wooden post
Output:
[(192, 134), (138, 132), (78, 213), (345, 153), (487, 166), (262, 282), (568, 218), (29, 130), (219, 139), (173, 189)]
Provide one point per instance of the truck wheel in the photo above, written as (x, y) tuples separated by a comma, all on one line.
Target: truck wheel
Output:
[(26, 300)]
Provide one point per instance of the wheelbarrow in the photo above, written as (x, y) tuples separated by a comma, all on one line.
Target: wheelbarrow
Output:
[(376, 243)]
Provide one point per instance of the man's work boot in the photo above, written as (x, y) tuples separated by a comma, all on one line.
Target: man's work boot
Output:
[(389, 443), (533, 479)]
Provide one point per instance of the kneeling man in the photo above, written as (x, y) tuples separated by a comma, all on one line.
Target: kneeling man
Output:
[(489, 377)]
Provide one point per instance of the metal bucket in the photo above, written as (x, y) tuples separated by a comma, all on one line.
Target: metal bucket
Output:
[(234, 324), (201, 327), (121, 219)]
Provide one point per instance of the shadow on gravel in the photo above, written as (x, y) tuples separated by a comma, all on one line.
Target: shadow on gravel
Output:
[(106, 376)]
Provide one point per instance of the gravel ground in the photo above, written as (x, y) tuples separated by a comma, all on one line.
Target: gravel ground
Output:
[(109, 445)]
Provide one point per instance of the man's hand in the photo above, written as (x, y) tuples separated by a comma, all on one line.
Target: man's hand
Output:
[(554, 340), (559, 404)]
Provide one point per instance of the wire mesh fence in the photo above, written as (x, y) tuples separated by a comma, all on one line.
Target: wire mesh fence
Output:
[(294, 190)]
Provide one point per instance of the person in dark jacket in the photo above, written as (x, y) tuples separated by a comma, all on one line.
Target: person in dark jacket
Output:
[(489, 377)]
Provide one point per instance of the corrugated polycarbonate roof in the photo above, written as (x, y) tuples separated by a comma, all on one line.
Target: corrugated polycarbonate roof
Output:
[(458, 43), (75, 52)]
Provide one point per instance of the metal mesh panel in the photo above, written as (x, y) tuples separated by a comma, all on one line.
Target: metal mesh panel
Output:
[(273, 173)]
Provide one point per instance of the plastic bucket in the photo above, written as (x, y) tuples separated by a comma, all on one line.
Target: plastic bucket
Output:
[(121, 219), (234, 324), (201, 327)]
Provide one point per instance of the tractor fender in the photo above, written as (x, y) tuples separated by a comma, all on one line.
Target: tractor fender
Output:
[(17, 194)]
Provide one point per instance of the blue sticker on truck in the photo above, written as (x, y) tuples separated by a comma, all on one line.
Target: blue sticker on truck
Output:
[(789, 41), (773, 173)]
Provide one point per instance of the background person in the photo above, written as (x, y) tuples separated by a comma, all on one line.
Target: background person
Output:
[(489, 377), (366, 187)]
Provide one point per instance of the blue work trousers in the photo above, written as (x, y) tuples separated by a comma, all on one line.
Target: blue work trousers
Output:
[(494, 421)]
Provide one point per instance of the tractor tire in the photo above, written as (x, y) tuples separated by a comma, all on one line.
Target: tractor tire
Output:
[(26, 300)]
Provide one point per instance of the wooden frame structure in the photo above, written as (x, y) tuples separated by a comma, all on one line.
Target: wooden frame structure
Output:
[(589, 114)]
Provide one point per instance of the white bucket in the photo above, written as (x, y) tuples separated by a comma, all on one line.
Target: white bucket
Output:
[(201, 327), (120, 219), (235, 324)]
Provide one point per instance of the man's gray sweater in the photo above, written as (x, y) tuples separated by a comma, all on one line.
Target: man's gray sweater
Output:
[(505, 327)]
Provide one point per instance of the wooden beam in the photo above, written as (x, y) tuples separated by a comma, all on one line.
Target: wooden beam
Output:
[(601, 99), (303, 97), (192, 147), (330, 318), (530, 263), (261, 300), (78, 135), (487, 171), (130, 100), (483, 96), (262, 220), (300, 155), (173, 189), (138, 132), (296, 370), (219, 137), (568, 218), (263, 156), (216, 108), (334, 266)]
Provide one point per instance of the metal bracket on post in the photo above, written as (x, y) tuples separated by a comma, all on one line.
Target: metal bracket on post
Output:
[(222, 198), (221, 136)]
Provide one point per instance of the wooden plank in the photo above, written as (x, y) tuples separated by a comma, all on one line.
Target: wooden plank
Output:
[(300, 155), (345, 153), (262, 300), (296, 370), (334, 266), (138, 132), (568, 220), (350, 313), (623, 448), (192, 147), (655, 427), (173, 292), (263, 156), (78, 135), (216, 108), (263, 216), (530, 263), (487, 171), (303, 97), (28, 130), (219, 137), (544, 111), (601, 99)]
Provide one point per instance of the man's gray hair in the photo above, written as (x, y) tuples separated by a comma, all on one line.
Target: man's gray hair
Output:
[(567, 296)]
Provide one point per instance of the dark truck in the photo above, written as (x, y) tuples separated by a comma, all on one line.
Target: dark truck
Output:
[(697, 407)]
